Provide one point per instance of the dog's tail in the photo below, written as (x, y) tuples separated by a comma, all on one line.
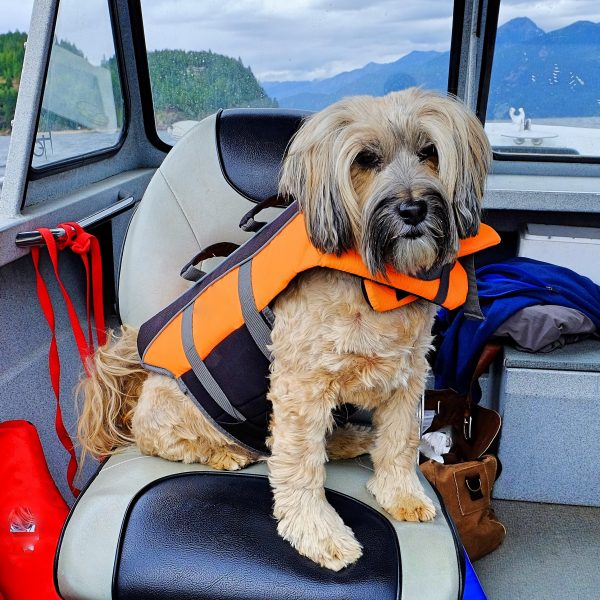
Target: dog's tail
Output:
[(110, 394)]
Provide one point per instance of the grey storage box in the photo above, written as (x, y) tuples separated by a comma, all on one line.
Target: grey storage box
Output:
[(550, 438)]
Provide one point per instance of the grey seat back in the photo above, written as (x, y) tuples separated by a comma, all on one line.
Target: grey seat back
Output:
[(196, 198)]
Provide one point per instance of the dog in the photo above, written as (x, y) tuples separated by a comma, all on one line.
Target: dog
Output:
[(400, 179)]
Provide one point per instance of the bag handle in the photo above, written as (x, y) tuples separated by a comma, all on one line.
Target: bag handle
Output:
[(488, 354), (434, 398), (189, 270)]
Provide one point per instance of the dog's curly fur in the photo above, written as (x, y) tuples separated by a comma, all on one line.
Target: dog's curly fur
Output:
[(399, 178)]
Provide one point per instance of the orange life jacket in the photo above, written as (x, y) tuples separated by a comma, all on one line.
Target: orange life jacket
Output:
[(213, 339)]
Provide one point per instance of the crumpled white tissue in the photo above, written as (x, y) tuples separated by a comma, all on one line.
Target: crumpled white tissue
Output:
[(436, 443)]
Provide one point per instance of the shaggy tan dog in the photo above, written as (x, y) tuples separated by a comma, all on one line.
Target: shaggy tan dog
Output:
[(399, 178)]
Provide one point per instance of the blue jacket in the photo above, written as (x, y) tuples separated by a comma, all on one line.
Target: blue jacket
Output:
[(504, 289)]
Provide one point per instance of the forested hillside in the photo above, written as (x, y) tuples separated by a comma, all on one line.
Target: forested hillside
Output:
[(12, 50), (185, 85), (192, 85)]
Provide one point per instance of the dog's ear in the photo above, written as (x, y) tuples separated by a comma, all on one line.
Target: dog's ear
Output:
[(464, 155), (316, 173), (470, 186)]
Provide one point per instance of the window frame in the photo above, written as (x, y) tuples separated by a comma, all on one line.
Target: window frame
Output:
[(143, 75), (35, 173)]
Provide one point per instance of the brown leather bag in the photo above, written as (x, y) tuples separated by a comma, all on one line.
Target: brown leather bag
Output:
[(475, 428), (466, 489), (466, 478)]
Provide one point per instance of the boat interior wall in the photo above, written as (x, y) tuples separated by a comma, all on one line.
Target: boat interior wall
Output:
[(25, 391), (30, 198)]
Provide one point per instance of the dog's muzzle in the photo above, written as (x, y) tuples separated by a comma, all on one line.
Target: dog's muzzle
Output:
[(408, 231)]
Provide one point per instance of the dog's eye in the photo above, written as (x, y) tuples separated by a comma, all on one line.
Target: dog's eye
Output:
[(428, 152), (367, 159)]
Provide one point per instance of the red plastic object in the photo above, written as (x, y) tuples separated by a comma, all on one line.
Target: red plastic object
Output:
[(32, 513)]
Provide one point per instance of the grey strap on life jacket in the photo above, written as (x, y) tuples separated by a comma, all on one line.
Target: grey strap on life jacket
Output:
[(201, 370), (257, 326), (472, 308)]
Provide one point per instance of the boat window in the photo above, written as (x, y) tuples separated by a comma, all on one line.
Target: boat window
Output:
[(82, 107), (14, 22), (203, 56), (544, 96)]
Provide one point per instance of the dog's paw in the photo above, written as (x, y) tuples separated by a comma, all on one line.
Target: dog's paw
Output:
[(328, 542), (224, 459), (413, 505)]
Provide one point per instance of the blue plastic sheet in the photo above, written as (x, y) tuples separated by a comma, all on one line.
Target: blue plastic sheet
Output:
[(473, 589)]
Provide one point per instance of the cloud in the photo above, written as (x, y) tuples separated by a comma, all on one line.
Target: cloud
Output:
[(15, 15), (293, 39), (300, 39)]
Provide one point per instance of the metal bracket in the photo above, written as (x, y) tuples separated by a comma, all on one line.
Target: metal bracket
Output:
[(34, 238)]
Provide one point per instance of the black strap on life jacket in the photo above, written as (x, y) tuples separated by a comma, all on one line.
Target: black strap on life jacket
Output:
[(189, 270), (248, 223)]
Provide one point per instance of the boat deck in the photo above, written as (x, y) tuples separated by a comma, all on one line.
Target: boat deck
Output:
[(550, 553)]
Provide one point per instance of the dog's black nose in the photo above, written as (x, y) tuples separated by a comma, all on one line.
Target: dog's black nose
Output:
[(413, 211)]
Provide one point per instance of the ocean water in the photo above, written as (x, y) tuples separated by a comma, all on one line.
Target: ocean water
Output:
[(65, 144), (68, 144)]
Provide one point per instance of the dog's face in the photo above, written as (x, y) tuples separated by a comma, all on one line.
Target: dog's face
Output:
[(398, 178)]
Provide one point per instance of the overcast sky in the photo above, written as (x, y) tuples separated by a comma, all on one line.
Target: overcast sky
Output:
[(290, 39)]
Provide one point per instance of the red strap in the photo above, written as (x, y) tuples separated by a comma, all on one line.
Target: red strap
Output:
[(87, 246), (54, 368), (83, 243)]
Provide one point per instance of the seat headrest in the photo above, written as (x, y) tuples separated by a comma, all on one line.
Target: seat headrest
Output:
[(252, 144)]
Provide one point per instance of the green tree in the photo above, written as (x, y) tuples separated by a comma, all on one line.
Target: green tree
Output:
[(192, 85), (12, 51)]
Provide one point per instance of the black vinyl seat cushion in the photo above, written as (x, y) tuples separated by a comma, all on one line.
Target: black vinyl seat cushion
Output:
[(212, 536), (252, 144)]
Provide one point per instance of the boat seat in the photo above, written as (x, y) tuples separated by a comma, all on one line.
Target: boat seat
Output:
[(196, 198), (147, 528)]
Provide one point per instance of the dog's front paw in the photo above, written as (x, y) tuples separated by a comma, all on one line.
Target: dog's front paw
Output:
[(327, 541), (413, 505), (224, 459)]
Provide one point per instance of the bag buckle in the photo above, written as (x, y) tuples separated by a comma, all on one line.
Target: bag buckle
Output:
[(474, 487), (468, 427)]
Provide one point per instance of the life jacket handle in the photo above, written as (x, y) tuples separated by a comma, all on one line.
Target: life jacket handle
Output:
[(248, 223), (189, 270)]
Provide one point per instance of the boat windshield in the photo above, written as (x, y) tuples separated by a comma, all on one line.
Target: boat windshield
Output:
[(295, 54)]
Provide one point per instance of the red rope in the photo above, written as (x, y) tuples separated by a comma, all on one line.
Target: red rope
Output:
[(88, 247)]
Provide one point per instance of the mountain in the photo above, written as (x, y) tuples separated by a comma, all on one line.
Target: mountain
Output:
[(550, 74), (518, 30), (417, 68), (554, 74)]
